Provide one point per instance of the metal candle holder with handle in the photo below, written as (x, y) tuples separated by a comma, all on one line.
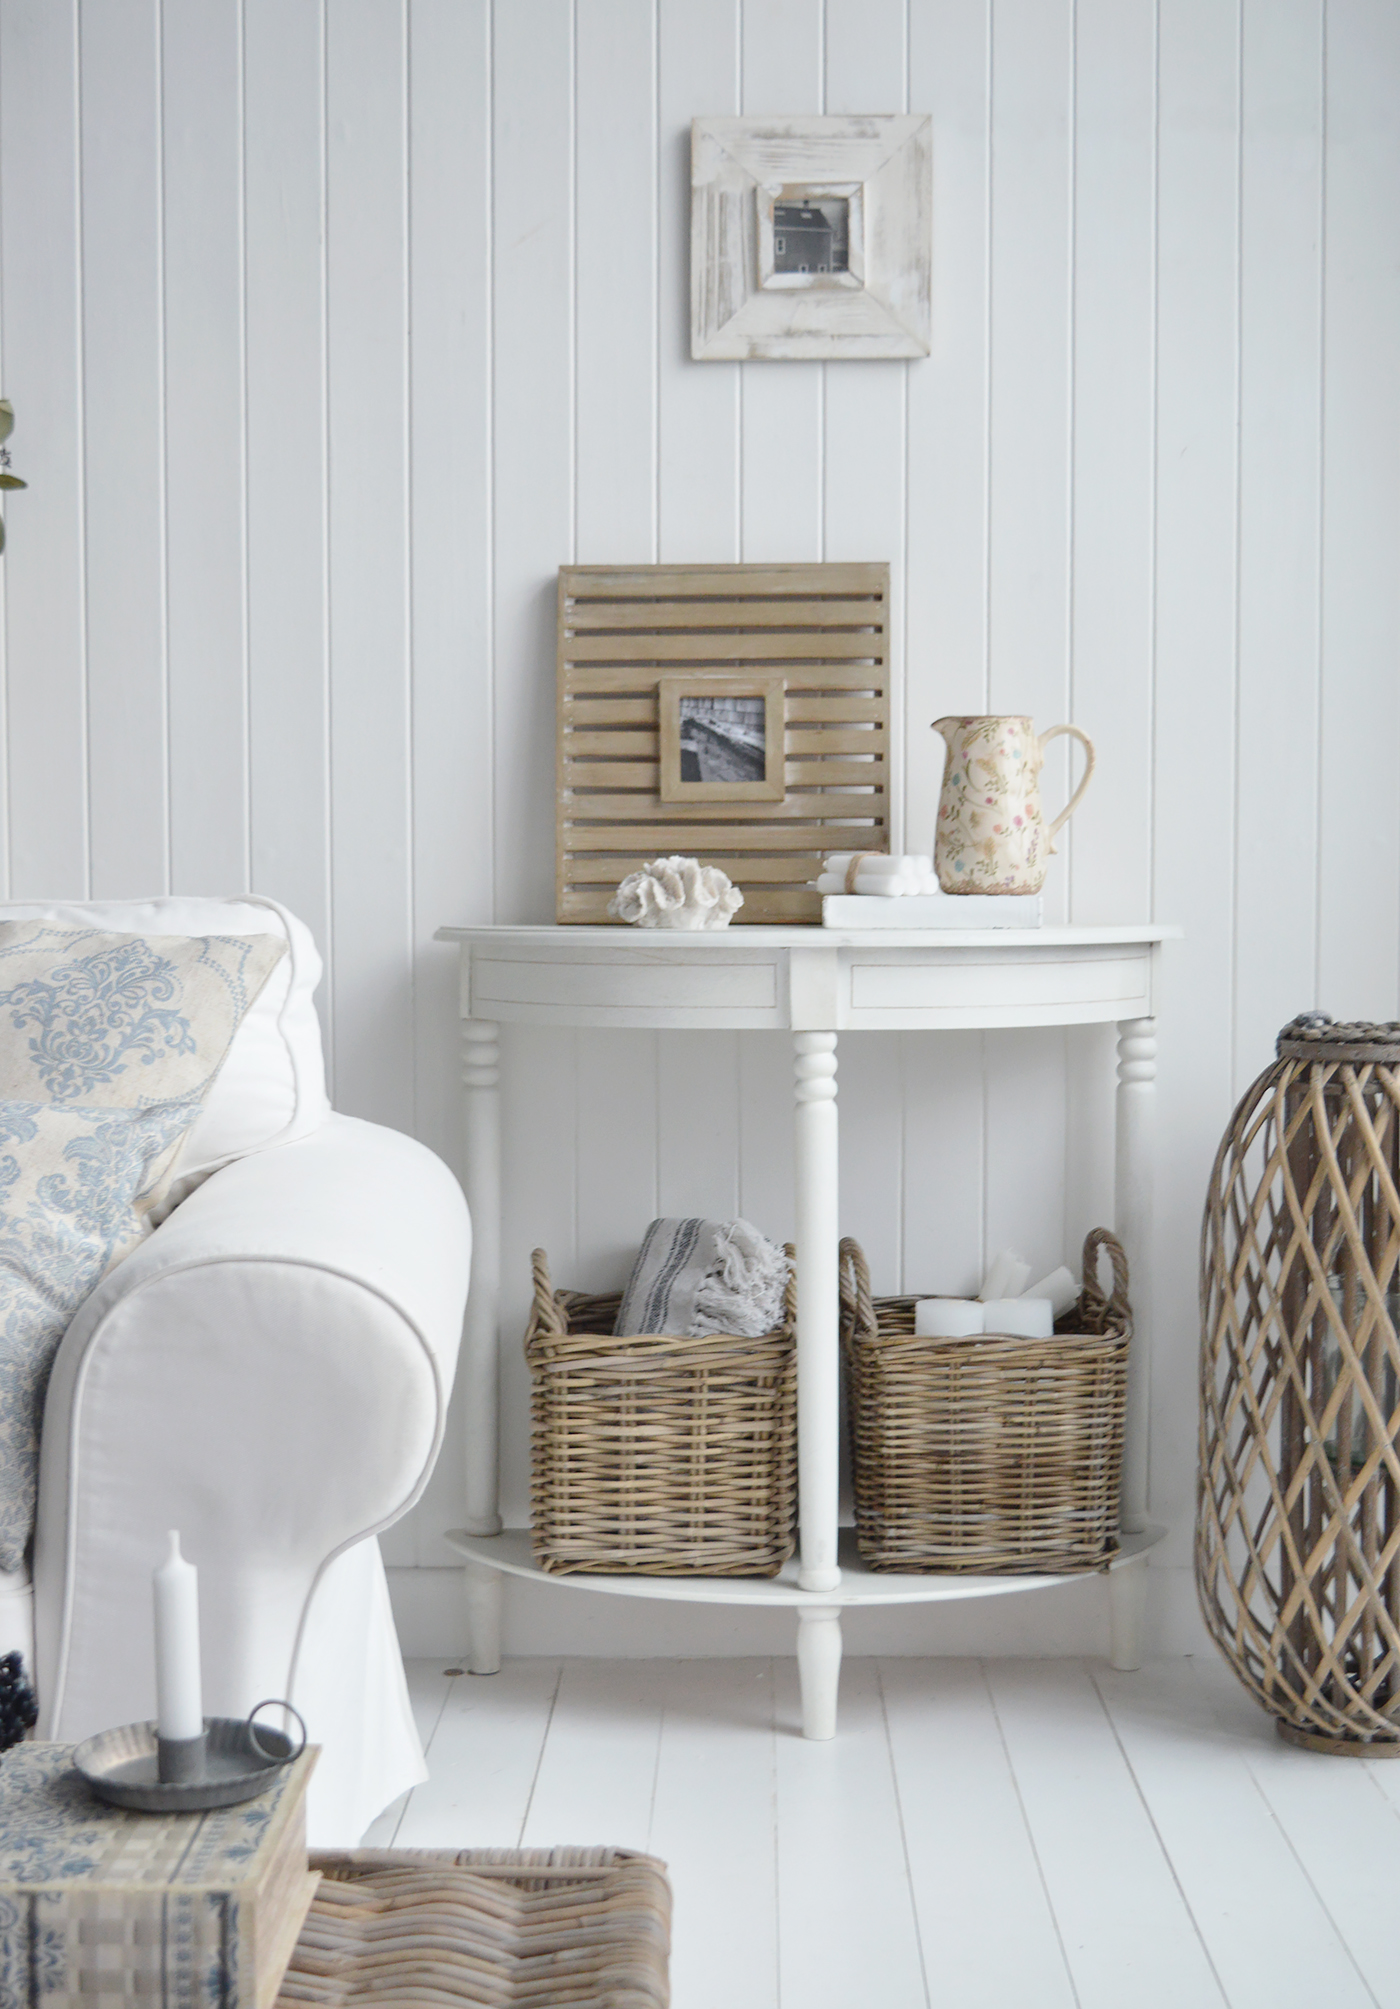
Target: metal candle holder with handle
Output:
[(233, 1759)]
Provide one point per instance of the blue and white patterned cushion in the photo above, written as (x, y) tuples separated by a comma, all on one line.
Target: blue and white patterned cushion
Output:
[(108, 1045), (74, 1188), (92, 1017)]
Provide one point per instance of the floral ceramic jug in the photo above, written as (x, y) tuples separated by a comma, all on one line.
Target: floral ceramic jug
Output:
[(991, 836)]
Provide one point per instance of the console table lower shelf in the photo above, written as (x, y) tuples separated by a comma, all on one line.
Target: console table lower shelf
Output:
[(490, 1557)]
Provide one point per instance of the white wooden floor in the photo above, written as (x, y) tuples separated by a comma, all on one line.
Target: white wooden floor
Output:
[(981, 1835)]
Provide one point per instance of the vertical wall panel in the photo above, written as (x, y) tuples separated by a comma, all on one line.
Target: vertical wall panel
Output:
[(46, 710), (1030, 410), (780, 403), (450, 521), (616, 283), (864, 404), (1280, 446), (124, 445), (449, 95), (871, 1107), (285, 305), (616, 1119), (202, 93), (946, 587), (1106, 849), (1027, 1121), (367, 312), (1358, 872), (1198, 188), (534, 368), (765, 1131), (698, 404), (697, 1124), (1032, 80), (943, 1230)]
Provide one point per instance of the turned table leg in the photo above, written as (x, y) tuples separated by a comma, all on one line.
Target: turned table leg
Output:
[(819, 1667), (479, 1369), (1127, 1611), (482, 1588), (818, 1373)]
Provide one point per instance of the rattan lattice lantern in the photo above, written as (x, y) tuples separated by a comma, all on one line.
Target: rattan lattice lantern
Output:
[(1298, 1512)]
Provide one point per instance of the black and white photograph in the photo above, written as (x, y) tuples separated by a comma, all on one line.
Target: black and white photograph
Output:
[(723, 739)]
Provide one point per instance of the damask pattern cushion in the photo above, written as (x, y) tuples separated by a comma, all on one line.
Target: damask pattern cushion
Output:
[(271, 1088), (108, 1046), (75, 1183), (123, 1020)]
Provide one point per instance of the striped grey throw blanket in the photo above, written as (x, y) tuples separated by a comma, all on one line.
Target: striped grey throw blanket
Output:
[(696, 1277)]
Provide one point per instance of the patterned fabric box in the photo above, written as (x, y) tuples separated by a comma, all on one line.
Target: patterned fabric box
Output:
[(98, 1906)]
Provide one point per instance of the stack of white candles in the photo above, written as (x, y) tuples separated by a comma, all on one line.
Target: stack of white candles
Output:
[(1008, 1303), (877, 875)]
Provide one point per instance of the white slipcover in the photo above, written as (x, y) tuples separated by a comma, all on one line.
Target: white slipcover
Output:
[(268, 1372)]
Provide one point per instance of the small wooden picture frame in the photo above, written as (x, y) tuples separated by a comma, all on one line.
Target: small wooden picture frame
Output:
[(722, 739)]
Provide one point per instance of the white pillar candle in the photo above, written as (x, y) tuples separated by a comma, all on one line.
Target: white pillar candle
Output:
[(947, 1318), (179, 1697), (1021, 1317)]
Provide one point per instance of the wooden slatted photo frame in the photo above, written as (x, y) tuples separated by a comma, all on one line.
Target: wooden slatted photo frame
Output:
[(822, 629)]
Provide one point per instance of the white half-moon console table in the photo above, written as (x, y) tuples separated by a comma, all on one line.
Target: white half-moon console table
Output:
[(815, 983)]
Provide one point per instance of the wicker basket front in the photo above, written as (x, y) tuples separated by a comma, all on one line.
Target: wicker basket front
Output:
[(479, 1927), (998, 1456), (668, 1456)]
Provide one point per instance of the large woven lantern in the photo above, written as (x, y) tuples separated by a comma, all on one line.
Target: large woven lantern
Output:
[(1298, 1516)]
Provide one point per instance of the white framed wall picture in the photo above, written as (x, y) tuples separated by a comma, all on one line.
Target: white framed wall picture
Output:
[(810, 237)]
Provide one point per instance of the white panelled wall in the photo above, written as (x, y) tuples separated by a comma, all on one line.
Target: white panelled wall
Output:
[(334, 326)]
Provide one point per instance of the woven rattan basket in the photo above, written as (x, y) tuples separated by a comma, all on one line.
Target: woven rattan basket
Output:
[(994, 1455), (479, 1927), (669, 1456)]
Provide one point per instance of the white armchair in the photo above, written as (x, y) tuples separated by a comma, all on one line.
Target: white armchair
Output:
[(268, 1372)]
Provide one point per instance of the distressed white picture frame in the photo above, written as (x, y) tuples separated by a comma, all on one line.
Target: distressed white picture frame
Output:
[(741, 309)]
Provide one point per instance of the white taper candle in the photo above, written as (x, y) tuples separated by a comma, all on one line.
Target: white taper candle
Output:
[(179, 1698)]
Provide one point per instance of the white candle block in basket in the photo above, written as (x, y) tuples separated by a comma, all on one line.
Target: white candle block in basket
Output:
[(1021, 1317), (948, 1318)]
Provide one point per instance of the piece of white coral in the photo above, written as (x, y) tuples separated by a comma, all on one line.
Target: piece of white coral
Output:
[(676, 893)]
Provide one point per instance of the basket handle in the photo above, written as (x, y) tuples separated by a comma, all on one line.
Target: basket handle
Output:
[(857, 1306), (545, 1315), (1101, 1310)]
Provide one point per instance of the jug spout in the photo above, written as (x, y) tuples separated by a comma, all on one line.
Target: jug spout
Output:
[(946, 726)]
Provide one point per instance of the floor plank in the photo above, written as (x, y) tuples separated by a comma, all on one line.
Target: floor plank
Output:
[(482, 1760), (1127, 1931), (714, 1825), (847, 1932), (984, 1915), (597, 1776), (1342, 1828), (1384, 1774), (1270, 1936)]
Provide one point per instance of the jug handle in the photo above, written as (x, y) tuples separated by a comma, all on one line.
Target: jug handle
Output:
[(1078, 795)]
